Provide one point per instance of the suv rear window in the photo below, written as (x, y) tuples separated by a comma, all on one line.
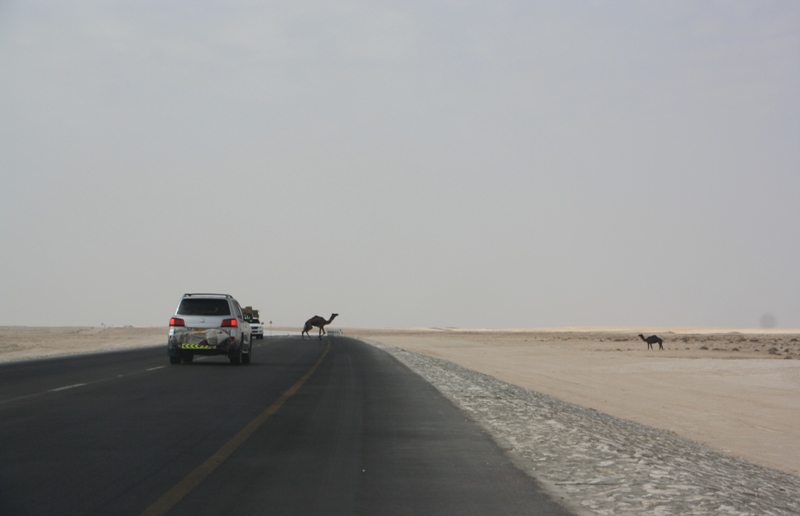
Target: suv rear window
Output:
[(204, 307)]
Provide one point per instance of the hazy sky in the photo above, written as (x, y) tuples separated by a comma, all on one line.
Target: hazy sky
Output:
[(429, 163)]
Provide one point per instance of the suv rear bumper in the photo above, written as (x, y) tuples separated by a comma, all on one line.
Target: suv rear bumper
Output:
[(175, 348)]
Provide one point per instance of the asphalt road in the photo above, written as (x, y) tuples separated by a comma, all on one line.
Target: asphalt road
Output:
[(310, 427)]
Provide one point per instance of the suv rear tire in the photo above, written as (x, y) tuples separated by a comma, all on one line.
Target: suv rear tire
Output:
[(236, 358), (174, 360)]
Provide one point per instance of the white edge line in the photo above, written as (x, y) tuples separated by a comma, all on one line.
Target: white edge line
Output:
[(67, 387)]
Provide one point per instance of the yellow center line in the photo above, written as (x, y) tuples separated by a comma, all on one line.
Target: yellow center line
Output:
[(193, 479)]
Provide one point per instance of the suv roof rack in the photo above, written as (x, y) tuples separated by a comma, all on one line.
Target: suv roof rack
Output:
[(206, 294)]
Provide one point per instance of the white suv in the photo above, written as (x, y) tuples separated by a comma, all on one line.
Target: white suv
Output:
[(209, 324), (257, 328)]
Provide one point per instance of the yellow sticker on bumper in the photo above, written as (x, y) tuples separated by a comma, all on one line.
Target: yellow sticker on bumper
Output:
[(197, 346)]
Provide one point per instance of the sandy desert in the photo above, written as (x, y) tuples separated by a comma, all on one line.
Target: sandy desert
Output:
[(735, 390)]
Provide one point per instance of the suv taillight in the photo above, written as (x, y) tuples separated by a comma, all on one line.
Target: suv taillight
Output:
[(176, 322), (230, 323)]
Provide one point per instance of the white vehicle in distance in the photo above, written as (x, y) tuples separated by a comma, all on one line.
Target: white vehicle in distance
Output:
[(257, 328), (209, 324)]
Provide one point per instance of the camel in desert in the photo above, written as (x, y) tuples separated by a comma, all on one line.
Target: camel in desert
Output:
[(652, 339), (319, 322)]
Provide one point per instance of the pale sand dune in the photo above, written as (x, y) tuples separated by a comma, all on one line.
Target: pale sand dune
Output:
[(27, 342), (745, 402)]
